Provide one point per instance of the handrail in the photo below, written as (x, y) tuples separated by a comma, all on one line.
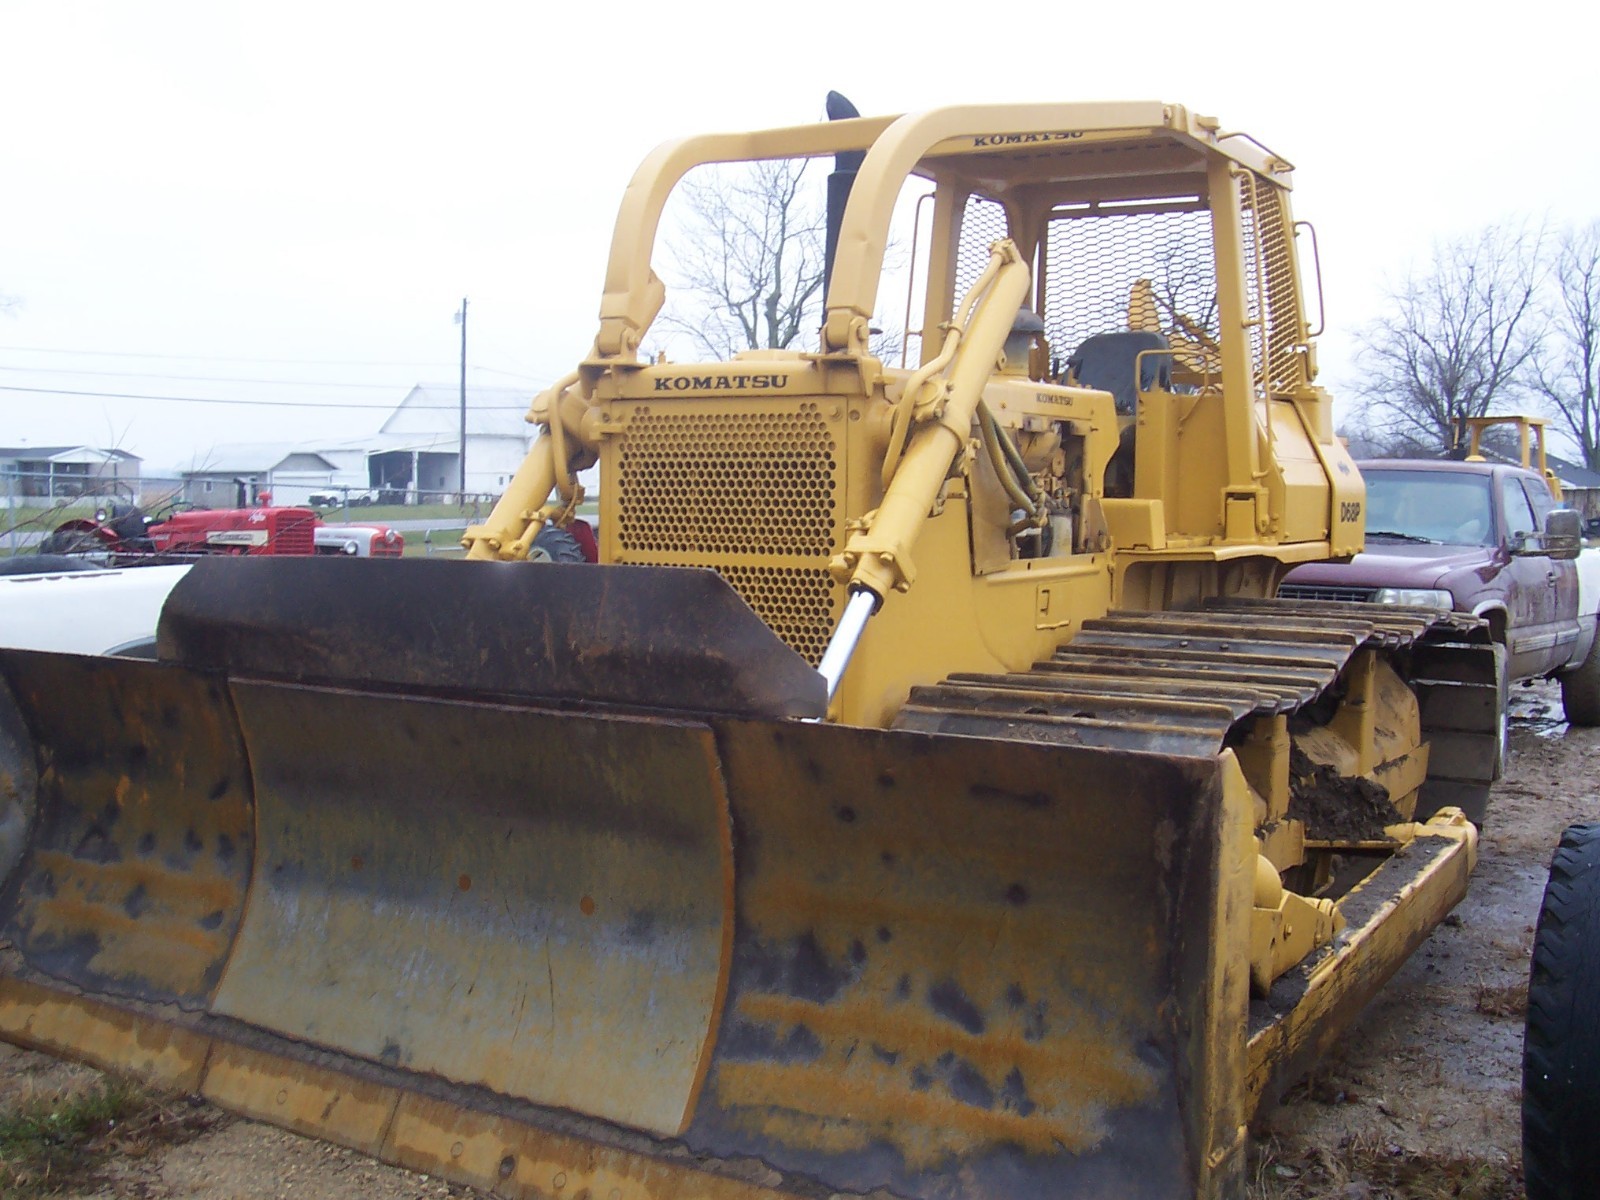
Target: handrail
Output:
[(1282, 164), (1316, 266), (911, 279)]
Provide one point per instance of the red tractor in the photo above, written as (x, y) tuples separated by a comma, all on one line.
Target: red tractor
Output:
[(124, 534)]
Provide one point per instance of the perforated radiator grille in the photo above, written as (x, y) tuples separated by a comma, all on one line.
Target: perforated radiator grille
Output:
[(796, 602), (751, 491)]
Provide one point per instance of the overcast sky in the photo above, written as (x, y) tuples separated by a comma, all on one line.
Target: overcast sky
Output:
[(287, 202)]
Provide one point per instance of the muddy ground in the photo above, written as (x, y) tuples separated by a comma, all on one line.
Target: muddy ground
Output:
[(1419, 1101), (1422, 1099)]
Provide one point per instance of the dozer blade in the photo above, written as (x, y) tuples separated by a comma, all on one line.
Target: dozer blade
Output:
[(467, 917), (639, 637)]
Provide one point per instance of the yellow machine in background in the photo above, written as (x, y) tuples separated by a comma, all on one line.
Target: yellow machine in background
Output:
[(1530, 444), (923, 797)]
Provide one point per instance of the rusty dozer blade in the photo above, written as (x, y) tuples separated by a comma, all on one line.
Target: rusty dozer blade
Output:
[(631, 636), (460, 914)]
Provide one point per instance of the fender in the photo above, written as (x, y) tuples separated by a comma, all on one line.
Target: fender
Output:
[(1588, 564), (86, 612), (1494, 612)]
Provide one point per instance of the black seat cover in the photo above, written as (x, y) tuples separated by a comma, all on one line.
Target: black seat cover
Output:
[(1105, 362)]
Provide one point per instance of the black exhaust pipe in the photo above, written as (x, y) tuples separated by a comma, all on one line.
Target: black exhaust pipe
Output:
[(845, 166)]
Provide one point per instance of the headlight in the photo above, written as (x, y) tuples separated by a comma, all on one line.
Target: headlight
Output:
[(1422, 597), (352, 547)]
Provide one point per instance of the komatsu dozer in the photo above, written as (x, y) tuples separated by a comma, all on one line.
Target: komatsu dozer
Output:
[(922, 797)]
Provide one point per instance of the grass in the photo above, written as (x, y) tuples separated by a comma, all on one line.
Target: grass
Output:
[(402, 512), (445, 544), (1374, 1169), (49, 1145), (45, 1144), (447, 539)]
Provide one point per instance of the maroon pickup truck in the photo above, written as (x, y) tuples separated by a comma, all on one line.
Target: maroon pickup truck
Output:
[(1483, 538)]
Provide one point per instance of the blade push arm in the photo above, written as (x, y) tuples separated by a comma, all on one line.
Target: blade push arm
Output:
[(522, 510), (934, 425), (937, 411)]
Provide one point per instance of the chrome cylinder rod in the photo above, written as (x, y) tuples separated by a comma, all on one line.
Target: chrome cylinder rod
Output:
[(863, 603)]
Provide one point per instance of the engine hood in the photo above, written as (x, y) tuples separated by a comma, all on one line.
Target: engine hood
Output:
[(1394, 565)]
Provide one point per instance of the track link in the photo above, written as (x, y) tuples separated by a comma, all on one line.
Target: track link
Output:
[(1176, 682)]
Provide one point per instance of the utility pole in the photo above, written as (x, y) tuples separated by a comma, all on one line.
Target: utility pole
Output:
[(461, 457)]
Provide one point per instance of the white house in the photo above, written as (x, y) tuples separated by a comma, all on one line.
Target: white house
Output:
[(1580, 487), (60, 471)]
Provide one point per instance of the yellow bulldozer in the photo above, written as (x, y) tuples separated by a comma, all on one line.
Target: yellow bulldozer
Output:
[(922, 797)]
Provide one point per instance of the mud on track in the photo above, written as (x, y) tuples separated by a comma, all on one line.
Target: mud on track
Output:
[(1426, 1086)]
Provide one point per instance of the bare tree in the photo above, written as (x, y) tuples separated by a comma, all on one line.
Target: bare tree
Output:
[(749, 258), (1567, 369), (1363, 440), (1457, 338)]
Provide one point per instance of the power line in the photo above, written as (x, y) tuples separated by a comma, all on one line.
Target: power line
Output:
[(389, 387), (509, 374), (296, 362), (196, 378), (264, 403)]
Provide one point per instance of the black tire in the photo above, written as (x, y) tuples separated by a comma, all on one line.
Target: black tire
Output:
[(555, 545), (1561, 1045), (44, 564), (1580, 689), (72, 541)]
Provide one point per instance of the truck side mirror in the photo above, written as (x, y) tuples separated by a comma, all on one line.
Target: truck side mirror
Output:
[(1562, 537)]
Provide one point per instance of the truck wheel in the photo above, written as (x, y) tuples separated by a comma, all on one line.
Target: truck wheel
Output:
[(1580, 689), (1561, 1045), (45, 564), (555, 545), (72, 541)]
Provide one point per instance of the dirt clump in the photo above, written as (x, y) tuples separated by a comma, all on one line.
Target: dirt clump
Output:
[(1506, 1000), (1336, 808)]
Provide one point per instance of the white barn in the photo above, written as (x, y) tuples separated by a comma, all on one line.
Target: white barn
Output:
[(418, 447), (240, 474), (414, 458)]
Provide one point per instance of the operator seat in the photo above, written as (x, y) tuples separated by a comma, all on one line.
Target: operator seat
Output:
[(1106, 362)]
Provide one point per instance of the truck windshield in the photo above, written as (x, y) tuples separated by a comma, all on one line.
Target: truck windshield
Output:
[(1429, 506)]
